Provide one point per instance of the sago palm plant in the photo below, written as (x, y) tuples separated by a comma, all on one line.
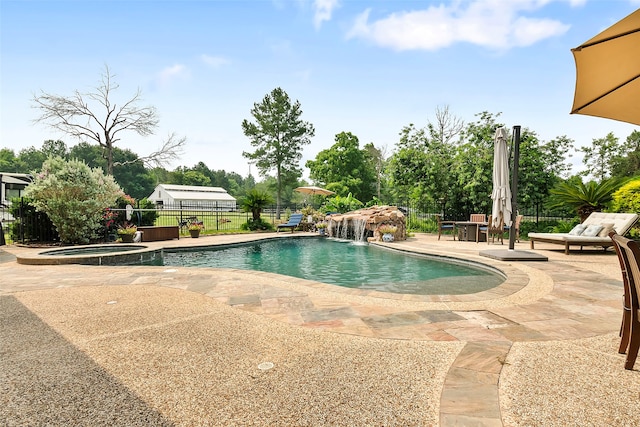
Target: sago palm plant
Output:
[(584, 198), (255, 201)]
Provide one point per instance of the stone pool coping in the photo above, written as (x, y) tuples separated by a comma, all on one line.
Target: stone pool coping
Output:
[(516, 279)]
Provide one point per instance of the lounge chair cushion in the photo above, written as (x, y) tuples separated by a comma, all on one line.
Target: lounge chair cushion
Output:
[(577, 230), (592, 230), (622, 222), (606, 229)]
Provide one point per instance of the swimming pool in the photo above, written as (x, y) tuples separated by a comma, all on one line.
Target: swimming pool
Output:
[(345, 264)]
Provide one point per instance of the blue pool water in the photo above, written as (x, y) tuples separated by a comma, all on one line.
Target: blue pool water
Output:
[(344, 264)]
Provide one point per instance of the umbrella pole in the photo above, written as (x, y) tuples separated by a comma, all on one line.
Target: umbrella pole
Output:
[(514, 186)]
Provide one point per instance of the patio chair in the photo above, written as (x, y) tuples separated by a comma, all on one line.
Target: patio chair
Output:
[(492, 231), (182, 223), (294, 221), (517, 227), (626, 298), (445, 226), (631, 257), (477, 218)]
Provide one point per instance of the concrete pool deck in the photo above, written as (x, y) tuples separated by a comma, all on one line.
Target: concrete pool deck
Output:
[(178, 346)]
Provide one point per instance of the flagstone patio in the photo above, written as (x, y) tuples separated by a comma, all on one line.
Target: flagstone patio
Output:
[(182, 346)]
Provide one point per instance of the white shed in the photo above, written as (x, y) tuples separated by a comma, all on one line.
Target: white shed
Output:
[(192, 196)]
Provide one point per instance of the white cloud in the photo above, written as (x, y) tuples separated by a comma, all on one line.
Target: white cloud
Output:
[(169, 74), (214, 61), (323, 11), (494, 24)]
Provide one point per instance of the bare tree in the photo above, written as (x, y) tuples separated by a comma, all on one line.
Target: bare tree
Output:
[(93, 116), (447, 125)]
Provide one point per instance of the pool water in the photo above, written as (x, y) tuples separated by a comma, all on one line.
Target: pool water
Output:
[(345, 264)]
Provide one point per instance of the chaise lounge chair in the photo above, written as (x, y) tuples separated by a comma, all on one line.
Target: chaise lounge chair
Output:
[(294, 221), (587, 233)]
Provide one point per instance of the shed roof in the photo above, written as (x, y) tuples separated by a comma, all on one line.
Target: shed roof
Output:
[(15, 178), (194, 192)]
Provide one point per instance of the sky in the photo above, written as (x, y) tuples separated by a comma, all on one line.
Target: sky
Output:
[(369, 67)]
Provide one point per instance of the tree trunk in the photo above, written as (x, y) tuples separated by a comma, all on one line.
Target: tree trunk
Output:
[(109, 147), (278, 193)]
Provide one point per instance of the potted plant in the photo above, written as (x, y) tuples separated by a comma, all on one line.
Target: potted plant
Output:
[(321, 227), (387, 231), (126, 232), (195, 228)]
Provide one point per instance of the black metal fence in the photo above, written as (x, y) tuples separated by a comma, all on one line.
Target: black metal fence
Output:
[(23, 224)]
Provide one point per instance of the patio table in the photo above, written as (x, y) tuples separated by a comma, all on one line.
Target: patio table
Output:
[(468, 231)]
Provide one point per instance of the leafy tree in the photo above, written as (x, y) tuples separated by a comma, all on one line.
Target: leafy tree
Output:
[(407, 166), (236, 186), (555, 153), (32, 158), (344, 168), (278, 135), (342, 204), (627, 163), (423, 167), (196, 178), (161, 176), (584, 198), (599, 157), (540, 168), (55, 148), (74, 196), (96, 116), (9, 162), (377, 157), (130, 174), (232, 182), (473, 165)]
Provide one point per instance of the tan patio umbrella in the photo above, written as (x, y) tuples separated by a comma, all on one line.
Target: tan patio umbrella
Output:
[(313, 190), (501, 193), (608, 73)]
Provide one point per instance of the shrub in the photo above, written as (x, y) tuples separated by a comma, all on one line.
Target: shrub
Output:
[(564, 226), (387, 229), (258, 224), (627, 198), (74, 196), (148, 213), (342, 204)]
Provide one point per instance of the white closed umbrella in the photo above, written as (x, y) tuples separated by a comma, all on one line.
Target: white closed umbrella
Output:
[(501, 193)]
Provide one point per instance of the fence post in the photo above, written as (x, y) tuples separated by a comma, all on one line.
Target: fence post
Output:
[(217, 216), (22, 219)]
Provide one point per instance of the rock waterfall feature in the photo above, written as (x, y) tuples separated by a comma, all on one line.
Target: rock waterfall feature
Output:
[(363, 224)]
